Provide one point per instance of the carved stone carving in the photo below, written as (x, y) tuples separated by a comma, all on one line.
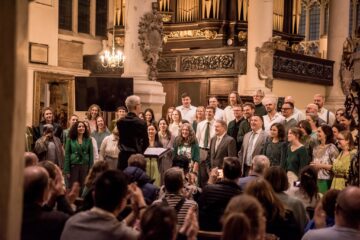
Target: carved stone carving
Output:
[(309, 48), (167, 64), (350, 64), (151, 40), (208, 34), (207, 62), (264, 62)]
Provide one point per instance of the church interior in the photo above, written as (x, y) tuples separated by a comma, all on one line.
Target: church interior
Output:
[(70, 54)]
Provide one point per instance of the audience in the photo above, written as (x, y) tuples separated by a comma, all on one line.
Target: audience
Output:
[(30, 159), (260, 164)]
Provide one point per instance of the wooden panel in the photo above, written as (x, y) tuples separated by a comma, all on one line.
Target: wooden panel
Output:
[(193, 89), (221, 86), (70, 54), (170, 88)]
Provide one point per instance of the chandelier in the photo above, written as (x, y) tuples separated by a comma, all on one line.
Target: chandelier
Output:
[(114, 58)]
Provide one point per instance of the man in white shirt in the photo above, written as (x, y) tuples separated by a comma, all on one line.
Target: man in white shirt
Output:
[(324, 114), (234, 99), (187, 110), (219, 113), (272, 115), (205, 130), (298, 114)]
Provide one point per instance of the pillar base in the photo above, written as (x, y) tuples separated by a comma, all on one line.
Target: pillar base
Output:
[(151, 93)]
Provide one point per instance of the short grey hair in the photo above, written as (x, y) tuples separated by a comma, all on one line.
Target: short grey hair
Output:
[(222, 123), (260, 163), (131, 102)]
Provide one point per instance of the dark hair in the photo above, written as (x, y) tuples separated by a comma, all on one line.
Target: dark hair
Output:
[(157, 142), (238, 99), (182, 162), (35, 183), (348, 137), (278, 179), (110, 189), (88, 113), (339, 127), (96, 124), (328, 202), (262, 190), (249, 104), (168, 133), (297, 132), (350, 118), (281, 130), (158, 223), (49, 167), (306, 126), (236, 226), (137, 160), (173, 180), (121, 108), (73, 133), (152, 114), (210, 107), (184, 95), (95, 171), (31, 159), (329, 135), (308, 182), (232, 168), (290, 104), (43, 113)]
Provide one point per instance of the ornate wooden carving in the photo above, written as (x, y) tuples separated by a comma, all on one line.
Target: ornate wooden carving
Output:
[(302, 68), (167, 64), (207, 62)]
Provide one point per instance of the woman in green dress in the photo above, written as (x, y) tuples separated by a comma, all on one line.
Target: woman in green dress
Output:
[(341, 164), (323, 157), (152, 164), (297, 156)]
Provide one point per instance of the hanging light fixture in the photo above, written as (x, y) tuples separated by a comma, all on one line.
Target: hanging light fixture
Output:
[(114, 58)]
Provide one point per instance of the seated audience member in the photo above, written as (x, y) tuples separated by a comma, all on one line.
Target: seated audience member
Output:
[(243, 219), (324, 215), (49, 147), (277, 178), (87, 194), (30, 159), (174, 184), (136, 172), (215, 196), (259, 165), (159, 222), (279, 220), (57, 192), (347, 218), (39, 223), (307, 191), (101, 221)]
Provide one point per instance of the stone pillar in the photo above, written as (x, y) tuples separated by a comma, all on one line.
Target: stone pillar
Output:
[(151, 92), (13, 63), (260, 28), (322, 30), (338, 32)]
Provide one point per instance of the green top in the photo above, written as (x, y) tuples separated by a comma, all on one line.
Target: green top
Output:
[(296, 160), (76, 153), (190, 151)]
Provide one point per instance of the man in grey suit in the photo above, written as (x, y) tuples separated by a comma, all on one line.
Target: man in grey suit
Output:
[(253, 143), (221, 145)]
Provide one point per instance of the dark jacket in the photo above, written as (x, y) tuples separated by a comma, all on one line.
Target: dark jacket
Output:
[(260, 110), (235, 134), (213, 202), (39, 130), (41, 150), (39, 223), (149, 190)]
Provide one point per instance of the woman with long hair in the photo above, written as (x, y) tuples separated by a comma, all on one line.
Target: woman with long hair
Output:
[(186, 144), (309, 137), (149, 116), (152, 164), (199, 116), (78, 154), (175, 124), (168, 114), (297, 156), (275, 147), (323, 157), (339, 112), (243, 219), (279, 220), (167, 141), (307, 191), (348, 122), (341, 165), (93, 112), (336, 129), (101, 131)]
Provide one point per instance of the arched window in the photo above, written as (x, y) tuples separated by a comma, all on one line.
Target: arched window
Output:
[(314, 23)]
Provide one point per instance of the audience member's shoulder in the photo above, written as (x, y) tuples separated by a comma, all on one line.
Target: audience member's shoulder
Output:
[(317, 234)]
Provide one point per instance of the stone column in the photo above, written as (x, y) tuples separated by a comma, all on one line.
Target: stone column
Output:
[(151, 92), (322, 34), (13, 62), (338, 32), (260, 28)]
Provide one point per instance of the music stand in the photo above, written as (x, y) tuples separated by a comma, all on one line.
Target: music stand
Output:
[(157, 153)]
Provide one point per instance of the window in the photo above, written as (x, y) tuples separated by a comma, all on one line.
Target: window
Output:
[(302, 21), (314, 22), (84, 16), (101, 17), (326, 20), (65, 14)]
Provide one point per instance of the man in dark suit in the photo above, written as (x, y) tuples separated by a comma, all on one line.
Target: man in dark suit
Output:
[(221, 145), (234, 125), (133, 137), (253, 143), (39, 222)]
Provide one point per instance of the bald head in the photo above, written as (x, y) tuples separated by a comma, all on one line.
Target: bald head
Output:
[(35, 184), (312, 108), (347, 211), (30, 159), (290, 99)]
